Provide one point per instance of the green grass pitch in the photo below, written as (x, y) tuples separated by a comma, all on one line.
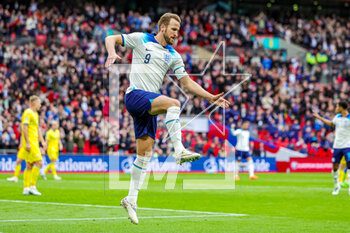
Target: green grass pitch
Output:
[(83, 203)]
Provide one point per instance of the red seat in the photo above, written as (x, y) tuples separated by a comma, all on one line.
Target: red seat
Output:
[(94, 149), (86, 149), (40, 39)]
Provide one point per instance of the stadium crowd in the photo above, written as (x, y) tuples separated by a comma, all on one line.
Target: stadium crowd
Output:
[(59, 55)]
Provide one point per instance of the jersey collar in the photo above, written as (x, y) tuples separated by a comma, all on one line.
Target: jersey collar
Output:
[(151, 37)]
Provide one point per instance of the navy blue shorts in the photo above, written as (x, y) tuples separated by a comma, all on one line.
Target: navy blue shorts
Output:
[(242, 155), (339, 153), (138, 103)]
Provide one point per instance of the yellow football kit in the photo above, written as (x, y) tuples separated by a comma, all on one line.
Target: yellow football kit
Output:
[(342, 174), (31, 119), (53, 142)]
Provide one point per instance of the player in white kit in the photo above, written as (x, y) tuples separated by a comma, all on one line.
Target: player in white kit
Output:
[(152, 57), (242, 149), (341, 145)]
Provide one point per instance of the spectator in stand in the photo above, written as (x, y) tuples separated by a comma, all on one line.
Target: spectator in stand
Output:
[(211, 150), (124, 143), (307, 135), (303, 149), (313, 151), (13, 143), (65, 68), (206, 145), (295, 128), (4, 140), (80, 143), (162, 143), (199, 144), (188, 141), (70, 143), (223, 152)]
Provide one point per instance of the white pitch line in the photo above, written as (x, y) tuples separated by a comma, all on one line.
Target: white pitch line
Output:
[(118, 207), (116, 218), (193, 211)]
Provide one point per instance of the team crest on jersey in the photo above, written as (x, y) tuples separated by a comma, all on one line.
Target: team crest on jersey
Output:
[(167, 58)]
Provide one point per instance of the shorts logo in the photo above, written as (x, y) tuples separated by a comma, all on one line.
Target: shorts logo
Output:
[(167, 58), (37, 156)]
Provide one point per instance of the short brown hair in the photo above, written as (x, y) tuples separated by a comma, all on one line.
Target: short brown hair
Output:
[(165, 19), (33, 98)]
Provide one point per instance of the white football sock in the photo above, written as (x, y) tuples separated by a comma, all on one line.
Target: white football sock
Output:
[(251, 167), (138, 173), (173, 125), (335, 177)]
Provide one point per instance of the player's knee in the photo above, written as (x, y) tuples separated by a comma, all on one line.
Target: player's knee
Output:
[(144, 145), (146, 150)]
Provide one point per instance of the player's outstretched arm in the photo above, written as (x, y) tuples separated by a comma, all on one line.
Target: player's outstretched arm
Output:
[(235, 131), (197, 90), (324, 120), (110, 43)]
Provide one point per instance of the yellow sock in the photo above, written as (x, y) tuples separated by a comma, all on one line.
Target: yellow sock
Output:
[(35, 174), (53, 169), (27, 177), (48, 168), (341, 175), (17, 170)]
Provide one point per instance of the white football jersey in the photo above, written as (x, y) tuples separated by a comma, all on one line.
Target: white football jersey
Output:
[(242, 139), (151, 61), (342, 131)]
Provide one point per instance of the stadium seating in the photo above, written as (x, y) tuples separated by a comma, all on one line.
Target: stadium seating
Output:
[(66, 69)]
